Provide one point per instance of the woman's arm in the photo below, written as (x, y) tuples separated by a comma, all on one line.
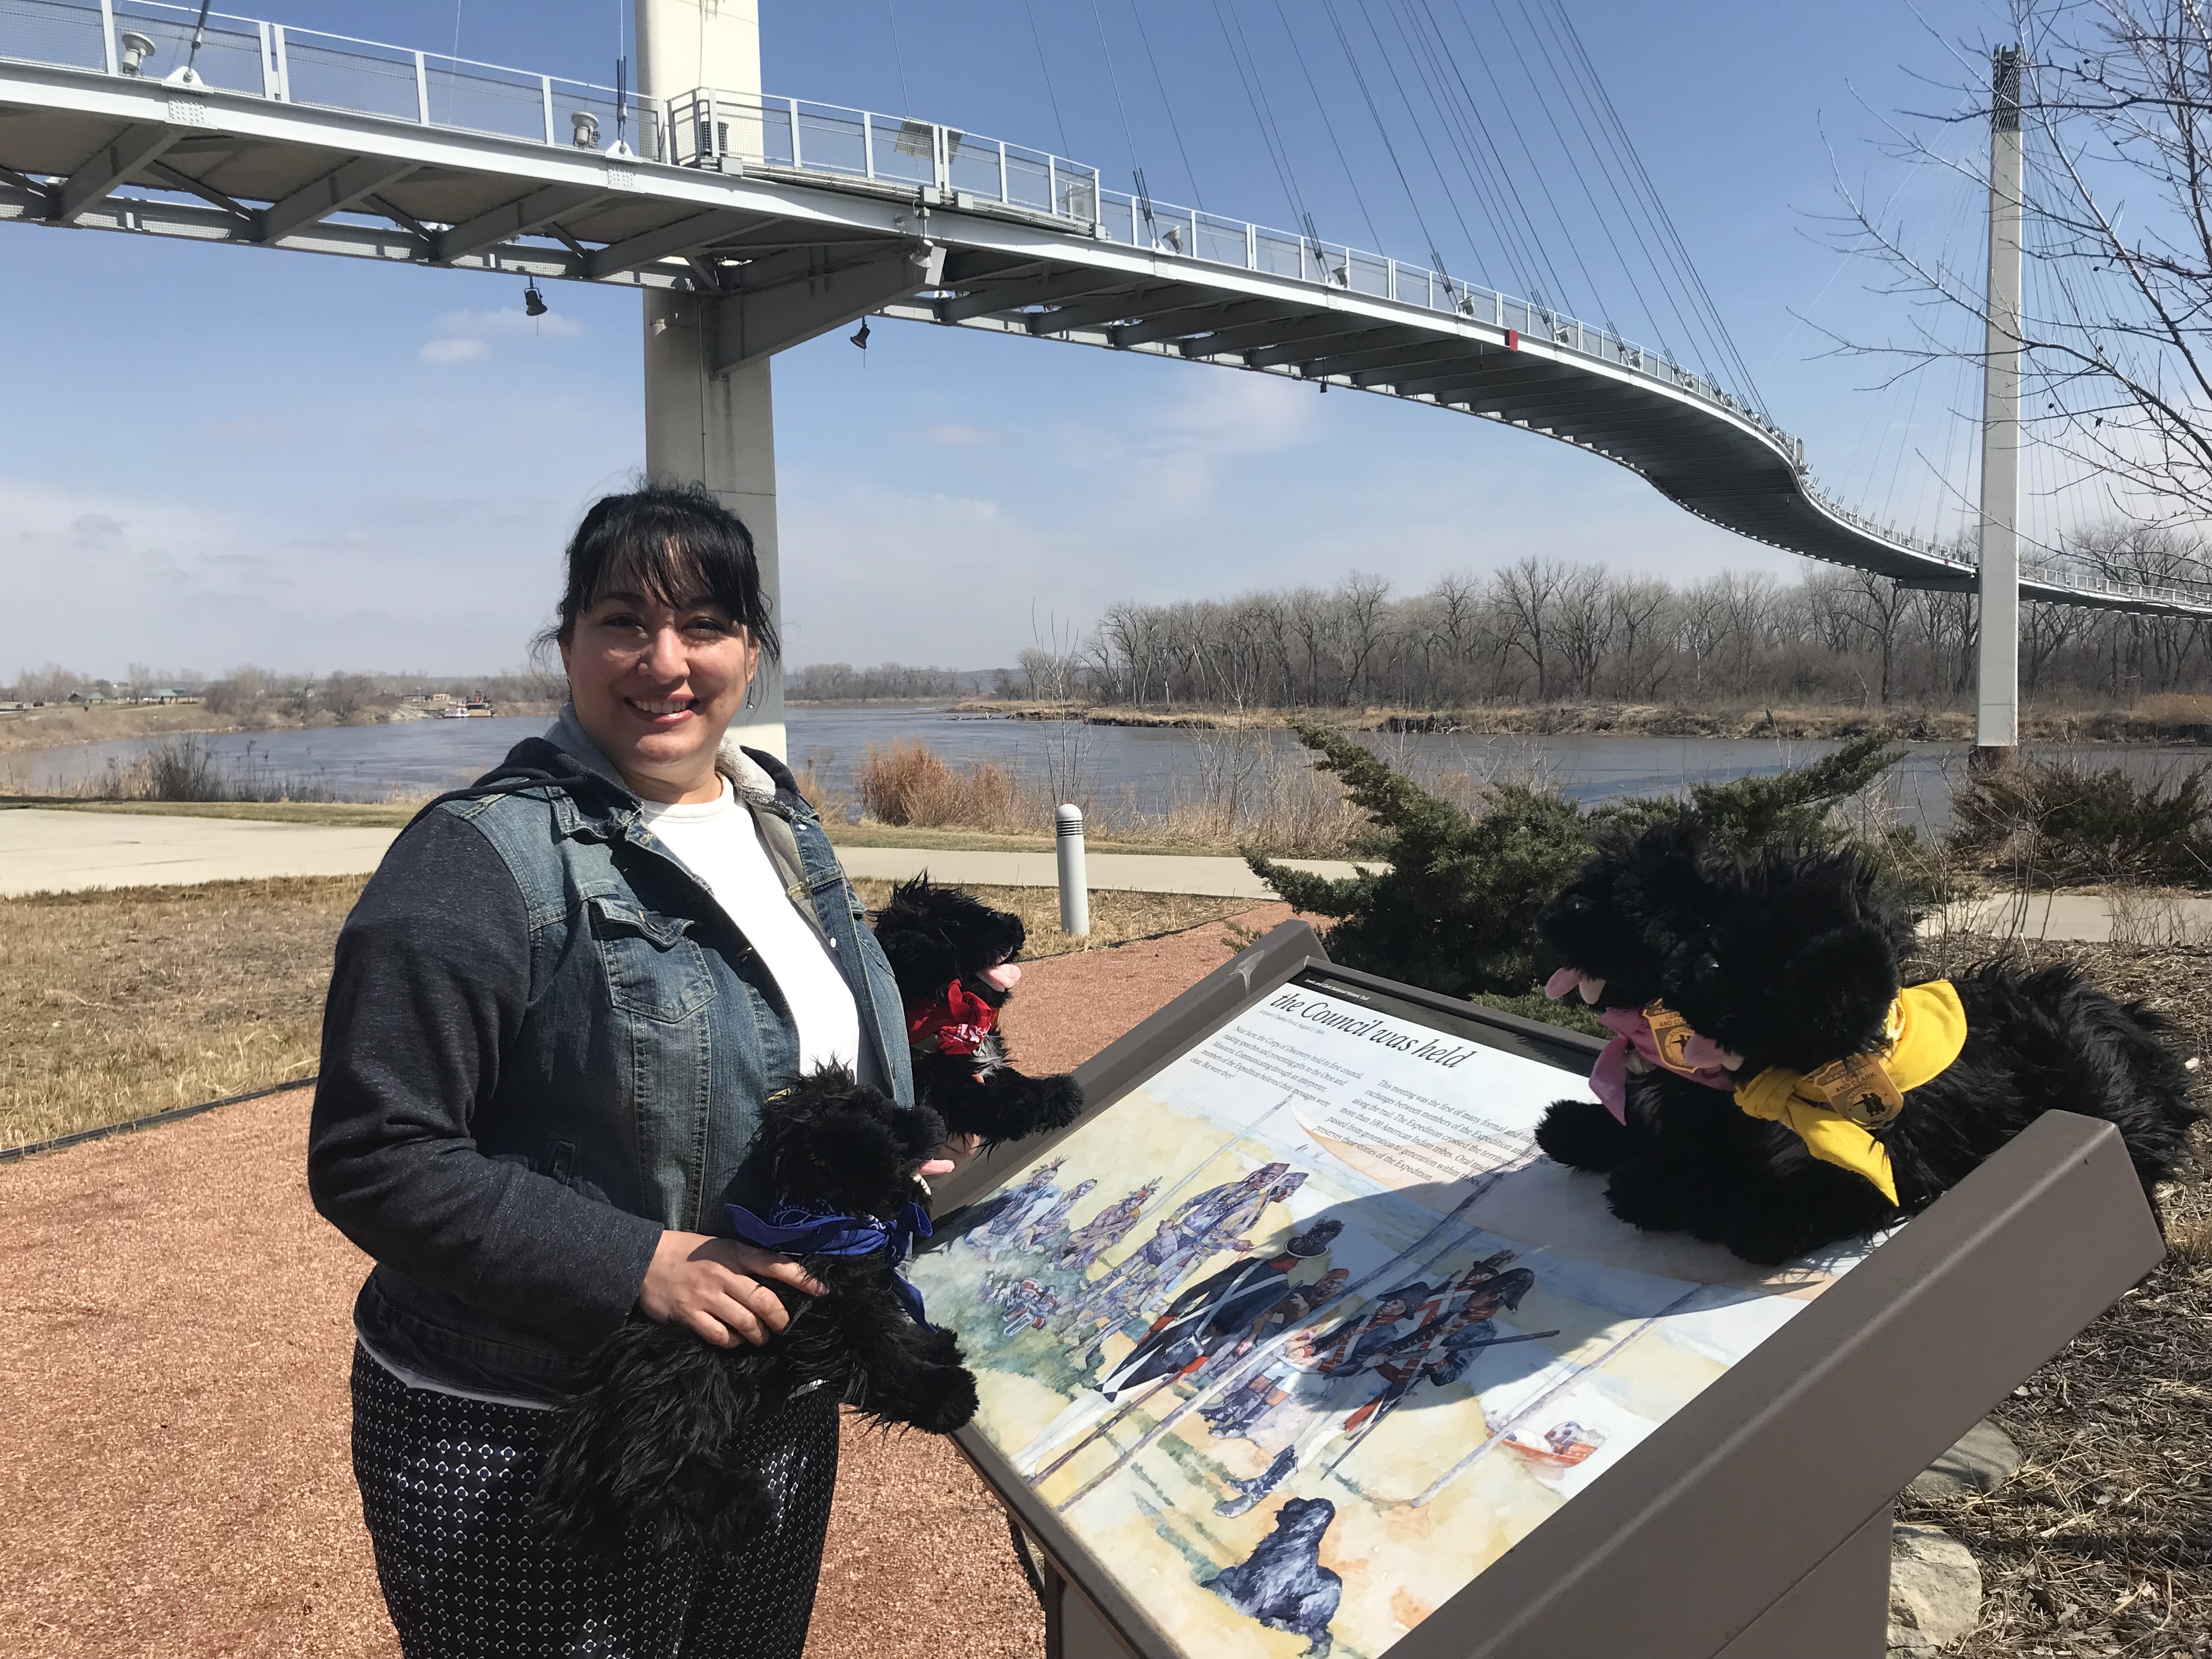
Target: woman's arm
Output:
[(431, 984)]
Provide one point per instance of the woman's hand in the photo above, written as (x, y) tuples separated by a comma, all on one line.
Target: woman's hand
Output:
[(713, 1287), (957, 1153)]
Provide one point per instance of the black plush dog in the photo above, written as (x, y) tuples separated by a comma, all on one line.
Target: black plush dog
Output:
[(1779, 1088), (953, 957), (656, 1443)]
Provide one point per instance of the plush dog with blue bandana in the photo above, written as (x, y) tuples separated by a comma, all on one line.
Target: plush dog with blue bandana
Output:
[(653, 1446)]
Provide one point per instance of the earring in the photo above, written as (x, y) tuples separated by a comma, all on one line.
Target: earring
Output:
[(752, 692)]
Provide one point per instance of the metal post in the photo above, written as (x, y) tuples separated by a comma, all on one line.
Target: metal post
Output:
[(1251, 247), (107, 36), (1052, 188), (1003, 197), (1074, 880), (795, 161), (868, 144), (546, 92), (422, 91), (1997, 667), (284, 63), (268, 62)]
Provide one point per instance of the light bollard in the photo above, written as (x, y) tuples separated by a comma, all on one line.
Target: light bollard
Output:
[(1074, 883)]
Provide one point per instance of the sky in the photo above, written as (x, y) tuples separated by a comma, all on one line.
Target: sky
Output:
[(213, 456)]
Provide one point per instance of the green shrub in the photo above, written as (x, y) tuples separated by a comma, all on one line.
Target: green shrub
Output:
[(1456, 910), (2052, 822)]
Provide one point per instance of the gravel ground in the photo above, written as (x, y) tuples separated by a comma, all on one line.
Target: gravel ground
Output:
[(2102, 1543), (174, 1478)]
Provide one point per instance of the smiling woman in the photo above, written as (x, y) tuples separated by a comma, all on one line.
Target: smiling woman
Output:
[(555, 1014)]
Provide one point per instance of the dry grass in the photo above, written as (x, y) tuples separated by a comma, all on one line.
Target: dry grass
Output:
[(116, 1003), (2103, 1543)]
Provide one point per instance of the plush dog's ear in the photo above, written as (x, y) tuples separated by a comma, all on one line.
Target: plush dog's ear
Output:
[(1835, 995)]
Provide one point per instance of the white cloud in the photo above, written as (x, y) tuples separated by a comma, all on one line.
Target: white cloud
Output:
[(452, 351)]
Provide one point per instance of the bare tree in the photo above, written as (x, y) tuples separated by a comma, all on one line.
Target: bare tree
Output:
[(1525, 596), (2115, 337)]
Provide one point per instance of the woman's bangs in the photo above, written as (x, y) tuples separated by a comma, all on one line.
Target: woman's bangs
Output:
[(661, 568)]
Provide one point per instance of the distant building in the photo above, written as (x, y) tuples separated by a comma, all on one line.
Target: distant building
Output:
[(86, 699)]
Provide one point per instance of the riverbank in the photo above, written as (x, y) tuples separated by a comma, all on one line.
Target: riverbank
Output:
[(2161, 720), (63, 724)]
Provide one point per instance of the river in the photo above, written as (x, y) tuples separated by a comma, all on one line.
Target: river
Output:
[(1118, 765)]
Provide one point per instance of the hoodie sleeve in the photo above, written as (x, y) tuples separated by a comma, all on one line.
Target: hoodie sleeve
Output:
[(430, 990)]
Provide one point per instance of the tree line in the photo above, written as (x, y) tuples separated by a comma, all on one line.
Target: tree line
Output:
[(250, 692), (1543, 630)]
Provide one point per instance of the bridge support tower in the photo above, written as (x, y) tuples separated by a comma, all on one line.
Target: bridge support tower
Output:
[(714, 429), (1996, 712)]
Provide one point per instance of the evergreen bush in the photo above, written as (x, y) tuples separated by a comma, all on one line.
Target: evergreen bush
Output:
[(1455, 911), (2050, 823)]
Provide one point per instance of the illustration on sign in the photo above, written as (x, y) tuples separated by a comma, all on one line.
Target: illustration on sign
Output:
[(1303, 1333)]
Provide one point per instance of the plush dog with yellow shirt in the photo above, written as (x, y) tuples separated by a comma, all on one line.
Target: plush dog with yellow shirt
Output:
[(1775, 1086)]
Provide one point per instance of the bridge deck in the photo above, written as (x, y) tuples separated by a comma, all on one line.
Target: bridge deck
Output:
[(752, 199)]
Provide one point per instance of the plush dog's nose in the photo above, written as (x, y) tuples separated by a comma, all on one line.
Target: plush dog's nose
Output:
[(1001, 977)]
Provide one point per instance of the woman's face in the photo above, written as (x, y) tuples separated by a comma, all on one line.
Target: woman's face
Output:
[(656, 685)]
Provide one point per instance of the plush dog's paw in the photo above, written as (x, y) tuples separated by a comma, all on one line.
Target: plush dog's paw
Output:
[(945, 1399), (1644, 1195), (1059, 1103), (1583, 1135), (940, 1348)]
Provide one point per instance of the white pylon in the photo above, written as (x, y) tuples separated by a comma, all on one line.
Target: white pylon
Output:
[(1996, 676)]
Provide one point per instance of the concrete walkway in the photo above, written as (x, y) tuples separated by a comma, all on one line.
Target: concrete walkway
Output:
[(1127, 873), (45, 851)]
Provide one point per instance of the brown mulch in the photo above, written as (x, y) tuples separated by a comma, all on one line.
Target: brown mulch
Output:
[(2102, 1543), (174, 1474)]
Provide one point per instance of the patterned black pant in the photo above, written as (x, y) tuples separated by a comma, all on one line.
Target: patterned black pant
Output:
[(446, 1485)]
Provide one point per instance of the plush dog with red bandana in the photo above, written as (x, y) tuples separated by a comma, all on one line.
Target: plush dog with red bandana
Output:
[(954, 959)]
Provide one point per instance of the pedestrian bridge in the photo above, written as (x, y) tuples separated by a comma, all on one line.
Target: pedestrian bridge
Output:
[(792, 218)]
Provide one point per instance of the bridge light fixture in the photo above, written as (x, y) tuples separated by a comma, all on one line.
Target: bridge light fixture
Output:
[(860, 340), (585, 127), (136, 49), (533, 302)]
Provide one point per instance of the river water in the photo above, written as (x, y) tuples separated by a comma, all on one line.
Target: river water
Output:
[(1119, 766)]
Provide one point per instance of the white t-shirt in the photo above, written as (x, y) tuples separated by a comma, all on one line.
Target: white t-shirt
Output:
[(719, 843)]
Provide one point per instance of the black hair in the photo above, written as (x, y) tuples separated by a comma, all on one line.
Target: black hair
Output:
[(676, 542)]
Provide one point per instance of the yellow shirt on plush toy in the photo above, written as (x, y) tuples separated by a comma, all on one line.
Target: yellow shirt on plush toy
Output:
[(1832, 1109)]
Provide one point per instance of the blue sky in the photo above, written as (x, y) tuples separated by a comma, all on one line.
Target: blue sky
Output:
[(213, 456)]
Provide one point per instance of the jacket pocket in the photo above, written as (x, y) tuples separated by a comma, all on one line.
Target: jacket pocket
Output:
[(654, 968)]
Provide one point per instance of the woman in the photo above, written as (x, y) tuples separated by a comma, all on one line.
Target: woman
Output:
[(555, 1011)]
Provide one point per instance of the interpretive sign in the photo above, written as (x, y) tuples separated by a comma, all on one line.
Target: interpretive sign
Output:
[(1284, 1347)]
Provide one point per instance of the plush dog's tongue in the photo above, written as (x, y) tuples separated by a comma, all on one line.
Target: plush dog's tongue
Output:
[(1001, 977), (1562, 983)]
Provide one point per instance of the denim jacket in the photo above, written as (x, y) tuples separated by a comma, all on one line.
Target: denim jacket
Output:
[(546, 1042)]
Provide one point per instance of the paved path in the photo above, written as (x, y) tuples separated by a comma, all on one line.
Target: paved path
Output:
[(43, 850), (48, 851)]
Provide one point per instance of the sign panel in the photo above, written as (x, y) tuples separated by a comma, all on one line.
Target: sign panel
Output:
[(1303, 1333)]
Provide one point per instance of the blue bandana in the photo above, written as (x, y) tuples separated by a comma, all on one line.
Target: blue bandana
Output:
[(797, 1232)]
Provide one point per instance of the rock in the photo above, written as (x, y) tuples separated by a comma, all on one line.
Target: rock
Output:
[(1935, 1590), (1981, 1462)]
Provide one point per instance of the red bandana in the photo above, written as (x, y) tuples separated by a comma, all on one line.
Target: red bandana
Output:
[(955, 1024)]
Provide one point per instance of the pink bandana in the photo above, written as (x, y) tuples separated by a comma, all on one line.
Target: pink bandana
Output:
[(1632, 1028)]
